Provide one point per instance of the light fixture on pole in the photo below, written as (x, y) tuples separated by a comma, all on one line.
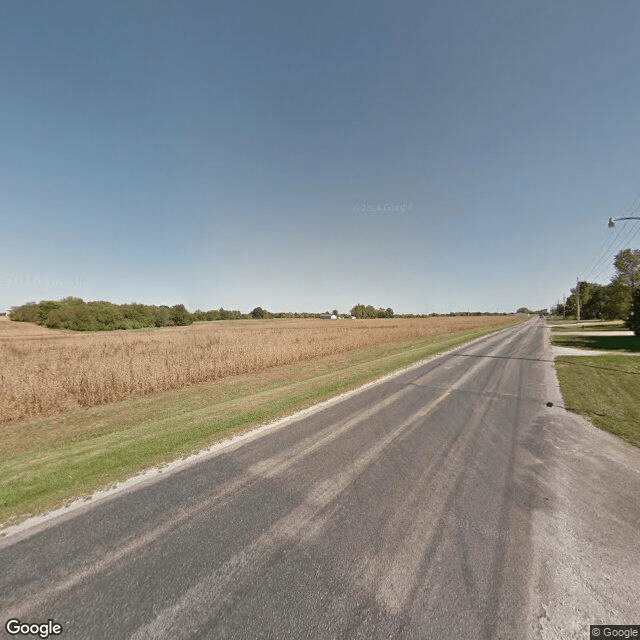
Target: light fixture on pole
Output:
[(612, 221)]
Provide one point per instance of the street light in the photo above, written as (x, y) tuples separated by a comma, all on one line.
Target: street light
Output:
[(612, 221)]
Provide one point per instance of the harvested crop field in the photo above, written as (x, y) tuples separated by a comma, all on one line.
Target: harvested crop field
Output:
[(45, 372)]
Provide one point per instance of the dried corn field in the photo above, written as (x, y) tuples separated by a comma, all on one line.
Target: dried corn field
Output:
[(44, 372)]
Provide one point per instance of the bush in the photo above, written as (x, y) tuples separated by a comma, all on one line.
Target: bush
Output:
[(26, 313)]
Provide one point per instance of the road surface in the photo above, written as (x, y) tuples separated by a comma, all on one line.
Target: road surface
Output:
[(447, 502)]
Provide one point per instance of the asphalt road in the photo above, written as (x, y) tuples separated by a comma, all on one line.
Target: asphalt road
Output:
[(448, 502)]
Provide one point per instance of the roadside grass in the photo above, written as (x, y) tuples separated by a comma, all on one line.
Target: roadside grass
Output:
[(630, 344), (605, 389), (47, 462), (612, 326), (561, 320)]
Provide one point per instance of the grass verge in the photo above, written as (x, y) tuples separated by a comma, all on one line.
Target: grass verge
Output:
[(605, 389), (554, 320), (613, 326), (630, 344), (48, 462)]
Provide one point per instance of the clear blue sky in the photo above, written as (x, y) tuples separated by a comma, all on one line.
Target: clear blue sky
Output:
[(240, 154)]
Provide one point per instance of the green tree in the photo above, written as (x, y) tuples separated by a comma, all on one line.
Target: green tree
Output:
[(627, 264), (585, 290), (258, 313), (633, 321), (369, 311), (45, 307), (25, 313), (213, 314), (616, 301), (161, 315), (358, 311), (179, 316), (593, 305)]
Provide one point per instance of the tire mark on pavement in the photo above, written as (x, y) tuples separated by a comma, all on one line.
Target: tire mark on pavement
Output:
[(20, 605), (211, 595)]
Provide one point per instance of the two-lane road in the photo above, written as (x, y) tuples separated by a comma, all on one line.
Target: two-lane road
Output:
[(449, 501)]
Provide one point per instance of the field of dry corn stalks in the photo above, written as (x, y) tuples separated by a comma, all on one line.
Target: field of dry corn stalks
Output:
[(44, 371)]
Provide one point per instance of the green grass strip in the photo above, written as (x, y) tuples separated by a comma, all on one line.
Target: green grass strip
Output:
[(618, 326), (605, 389), (629, 344)]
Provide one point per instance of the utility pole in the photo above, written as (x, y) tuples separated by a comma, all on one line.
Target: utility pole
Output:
[(578, 297)]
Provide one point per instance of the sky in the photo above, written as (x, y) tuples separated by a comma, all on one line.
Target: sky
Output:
[(308, 156)]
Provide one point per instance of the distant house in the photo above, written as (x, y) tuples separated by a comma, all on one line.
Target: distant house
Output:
[(328, 316)]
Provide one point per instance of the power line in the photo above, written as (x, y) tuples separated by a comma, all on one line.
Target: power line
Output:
[(616, 241), (605, 253), (627, 241), (633, 208)]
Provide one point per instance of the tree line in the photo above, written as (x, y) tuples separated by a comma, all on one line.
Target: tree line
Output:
[(540, 312), (77, 315), (617, 300)]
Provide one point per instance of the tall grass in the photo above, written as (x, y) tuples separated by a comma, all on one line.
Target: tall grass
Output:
[(44, 372)]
